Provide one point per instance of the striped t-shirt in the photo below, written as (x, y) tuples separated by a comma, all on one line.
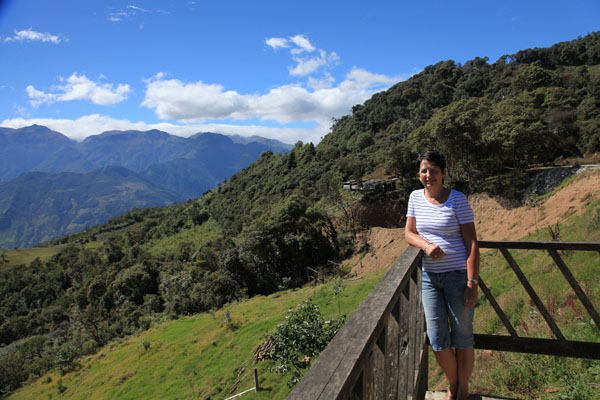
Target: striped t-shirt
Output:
[(440, 224)]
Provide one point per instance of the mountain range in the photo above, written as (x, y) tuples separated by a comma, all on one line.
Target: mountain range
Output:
[(51, 185)]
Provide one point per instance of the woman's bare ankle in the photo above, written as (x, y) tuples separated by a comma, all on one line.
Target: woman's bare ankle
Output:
[(462, 392)]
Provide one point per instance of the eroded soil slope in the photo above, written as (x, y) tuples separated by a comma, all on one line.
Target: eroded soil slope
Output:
[(382, 246)]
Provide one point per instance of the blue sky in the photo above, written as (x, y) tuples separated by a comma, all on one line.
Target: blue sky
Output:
[(280, 69)]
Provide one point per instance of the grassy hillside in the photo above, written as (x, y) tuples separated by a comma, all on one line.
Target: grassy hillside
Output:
[(211, 354), (203, 356), (25, 256)]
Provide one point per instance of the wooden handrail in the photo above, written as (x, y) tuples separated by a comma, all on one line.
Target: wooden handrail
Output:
[(382, 352), (537, 245)]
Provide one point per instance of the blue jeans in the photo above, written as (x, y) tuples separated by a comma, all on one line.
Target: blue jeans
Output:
[(449, 323)]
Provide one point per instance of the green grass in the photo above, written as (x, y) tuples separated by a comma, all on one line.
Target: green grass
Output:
[(26, 255), (196, 357), (594, 71), (169, 246)]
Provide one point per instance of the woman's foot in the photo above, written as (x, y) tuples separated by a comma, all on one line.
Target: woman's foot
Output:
[(449, 396)]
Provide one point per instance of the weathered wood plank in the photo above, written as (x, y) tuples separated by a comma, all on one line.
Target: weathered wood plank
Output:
[(421, 381), (404, 342), (412, 332), (497, 308), (576, 288), (358, 389), (420, 335), (379, 366), (534, 297), (533, 245), (369, 377), (549, 347), (392, 346)]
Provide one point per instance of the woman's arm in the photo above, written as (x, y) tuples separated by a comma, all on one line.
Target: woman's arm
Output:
[(470, 238), (413, 238)]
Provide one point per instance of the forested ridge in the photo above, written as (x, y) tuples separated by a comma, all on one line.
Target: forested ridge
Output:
[(258, 232)]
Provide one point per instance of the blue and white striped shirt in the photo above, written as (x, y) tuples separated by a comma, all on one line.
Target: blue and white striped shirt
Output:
[(440, 224)]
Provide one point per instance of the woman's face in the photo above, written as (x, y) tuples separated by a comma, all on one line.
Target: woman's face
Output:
[(430, 175)]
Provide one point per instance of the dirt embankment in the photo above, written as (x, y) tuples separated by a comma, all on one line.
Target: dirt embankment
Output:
[(382, 246)]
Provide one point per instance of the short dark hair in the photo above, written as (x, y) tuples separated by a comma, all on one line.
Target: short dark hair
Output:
[(434, 157)]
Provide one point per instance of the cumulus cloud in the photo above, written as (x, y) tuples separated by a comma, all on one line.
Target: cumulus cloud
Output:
[(79, 87), (193, 102), (325, 82), (29, 35), (197, 101)]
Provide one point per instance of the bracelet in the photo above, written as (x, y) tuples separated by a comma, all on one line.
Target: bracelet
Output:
[(425, 248), (474, 281)]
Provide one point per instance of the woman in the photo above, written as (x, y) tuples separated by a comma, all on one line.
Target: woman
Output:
[(440, 221)]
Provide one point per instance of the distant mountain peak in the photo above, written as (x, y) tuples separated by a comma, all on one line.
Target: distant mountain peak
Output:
[(262, 140), (35, 131)]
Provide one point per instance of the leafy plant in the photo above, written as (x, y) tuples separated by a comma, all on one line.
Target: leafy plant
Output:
[(338, 288), (301, 338)]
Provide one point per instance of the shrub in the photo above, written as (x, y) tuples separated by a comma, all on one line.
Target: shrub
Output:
[(145, 322), (301, 338)]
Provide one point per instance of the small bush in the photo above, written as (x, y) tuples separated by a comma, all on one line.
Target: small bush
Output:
[(60, 387), (594, 223), (301, 338), (145, 322)]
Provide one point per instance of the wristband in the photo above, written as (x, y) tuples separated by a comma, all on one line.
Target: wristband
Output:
[(425, 248), (474, 281)]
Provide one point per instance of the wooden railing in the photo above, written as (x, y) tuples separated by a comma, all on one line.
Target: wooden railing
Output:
[(559, 346), (382, 351)]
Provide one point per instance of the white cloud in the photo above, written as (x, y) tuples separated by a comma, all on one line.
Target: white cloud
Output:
[(29, 35), (173, 99), (277, 43), (306, 66), (323, 83), (95, 124), (136, 8), (192, 103), (361, 79), (197, 101), (128, 11), (303, 44), (298, 45), (79, 87)]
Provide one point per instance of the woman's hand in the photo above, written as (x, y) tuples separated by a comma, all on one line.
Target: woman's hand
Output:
[(470, 296), (434, 251)]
